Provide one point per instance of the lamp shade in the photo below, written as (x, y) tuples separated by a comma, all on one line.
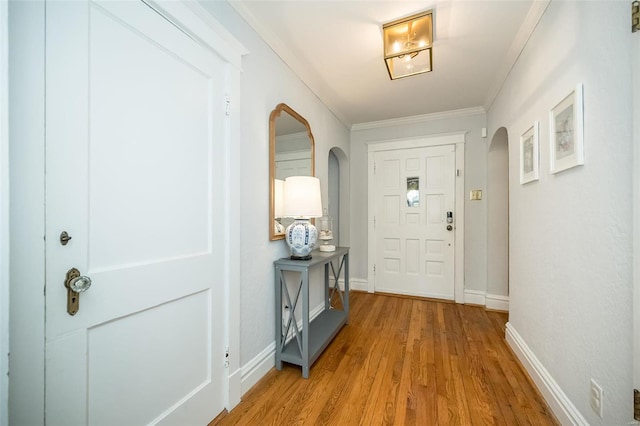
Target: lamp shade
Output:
[(302, 197), (278, 195), (407, 45)]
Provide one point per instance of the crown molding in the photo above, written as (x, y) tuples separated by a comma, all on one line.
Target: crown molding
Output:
[(517, 46), (416, 119)]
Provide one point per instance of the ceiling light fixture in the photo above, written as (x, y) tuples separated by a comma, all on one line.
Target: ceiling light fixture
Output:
[(407, 45)]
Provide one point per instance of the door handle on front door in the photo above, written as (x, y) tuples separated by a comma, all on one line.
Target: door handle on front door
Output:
[(75, 284)]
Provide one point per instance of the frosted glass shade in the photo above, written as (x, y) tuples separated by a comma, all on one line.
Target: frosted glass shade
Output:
[(278, 195), (302, 198)]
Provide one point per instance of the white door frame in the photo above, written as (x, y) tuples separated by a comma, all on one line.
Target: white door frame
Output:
[(458, 139), (4, 213), (635, 58), (27, 185)]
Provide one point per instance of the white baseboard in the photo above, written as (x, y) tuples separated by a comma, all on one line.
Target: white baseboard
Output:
[(475, 297), (358, 284), (489, 301), (235, 389), (257, 368), (497, 302), (262, 363), (562, 407)]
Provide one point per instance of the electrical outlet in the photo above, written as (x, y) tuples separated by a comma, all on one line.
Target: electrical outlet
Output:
[(596, 398)]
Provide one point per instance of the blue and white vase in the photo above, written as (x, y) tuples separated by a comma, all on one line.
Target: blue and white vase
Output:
[(301, 237)]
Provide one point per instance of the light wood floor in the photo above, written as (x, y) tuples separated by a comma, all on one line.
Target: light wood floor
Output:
[(404, 362)]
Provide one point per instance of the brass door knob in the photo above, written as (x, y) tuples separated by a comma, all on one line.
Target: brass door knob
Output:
[(75, 284)]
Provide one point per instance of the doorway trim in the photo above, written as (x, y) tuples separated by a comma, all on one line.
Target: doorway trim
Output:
[(458, 139), (4, 213), (27, 195), (498, 222), (635, 58), (343, 202)]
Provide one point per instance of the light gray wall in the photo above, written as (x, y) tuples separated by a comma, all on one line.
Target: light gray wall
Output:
[(570, 239), (475, 176), (267, 81)]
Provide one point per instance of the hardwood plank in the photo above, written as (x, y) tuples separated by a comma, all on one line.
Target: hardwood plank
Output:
[(402, 361)]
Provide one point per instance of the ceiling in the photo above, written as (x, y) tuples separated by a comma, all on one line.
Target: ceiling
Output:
[(336, 49)]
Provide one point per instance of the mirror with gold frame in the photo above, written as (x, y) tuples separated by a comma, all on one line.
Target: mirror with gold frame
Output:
[(291, 153)]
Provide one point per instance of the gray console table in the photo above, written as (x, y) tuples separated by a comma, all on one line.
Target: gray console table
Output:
[(307, 343)]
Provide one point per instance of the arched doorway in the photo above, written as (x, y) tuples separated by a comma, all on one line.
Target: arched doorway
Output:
[(498, 222), (334, 194), (338, 186)]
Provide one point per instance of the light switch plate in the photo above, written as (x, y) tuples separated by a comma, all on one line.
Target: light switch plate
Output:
[(475, 194), (596, 398)]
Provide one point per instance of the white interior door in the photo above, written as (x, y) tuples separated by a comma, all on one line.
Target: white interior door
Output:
[(414, 191), (134, 112), (298, 167)]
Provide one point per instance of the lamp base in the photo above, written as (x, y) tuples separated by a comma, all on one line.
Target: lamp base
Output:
[(307, 257), (327, 248), (301, 237)]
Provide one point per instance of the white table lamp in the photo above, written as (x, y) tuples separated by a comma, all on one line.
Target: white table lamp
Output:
[(302, 201)]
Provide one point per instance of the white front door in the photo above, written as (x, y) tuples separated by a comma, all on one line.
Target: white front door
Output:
[(134, 116), (414, 194)]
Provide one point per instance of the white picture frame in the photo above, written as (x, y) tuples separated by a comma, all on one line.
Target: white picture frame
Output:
[(530, 155), (566, 132)]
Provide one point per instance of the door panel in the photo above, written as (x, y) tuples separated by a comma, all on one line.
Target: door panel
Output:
[(134, 113), (415, 252), (185, 327), (171, 179)]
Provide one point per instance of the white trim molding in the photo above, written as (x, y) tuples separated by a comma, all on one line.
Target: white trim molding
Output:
[(489, 301), (527, 27), (358, 284), (257, 368), (497, 302), (194, 20), (475, 297), (417, 119), (636, 211), (4, 213), (458, 139), (261, 364), (560, 404)]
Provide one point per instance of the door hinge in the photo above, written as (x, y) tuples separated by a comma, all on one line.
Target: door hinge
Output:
[(636, 404), (226, 357), (374, 222), (374, 167), (635, 16), (458, 172), (374, 269), (227, 105)]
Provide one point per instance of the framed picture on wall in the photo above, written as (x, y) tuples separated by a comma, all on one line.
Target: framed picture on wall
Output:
[(566, 132), (529, 155)]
